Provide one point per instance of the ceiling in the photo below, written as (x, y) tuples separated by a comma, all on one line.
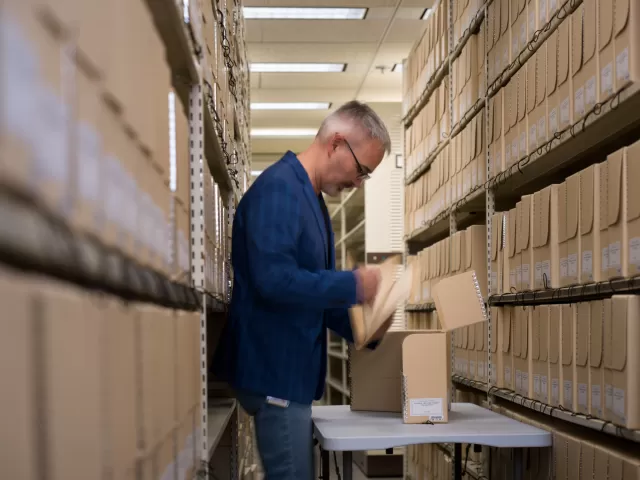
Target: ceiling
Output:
[(382, 39)]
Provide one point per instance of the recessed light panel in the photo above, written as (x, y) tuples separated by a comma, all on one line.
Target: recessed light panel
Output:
[(283, 132), (304, 13), (297, 67), (291, 106)]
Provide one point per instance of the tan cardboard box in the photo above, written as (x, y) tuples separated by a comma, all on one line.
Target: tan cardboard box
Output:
[(428, 398), (606, 49), (481, 344), (521, 350), (565, 93), (574, 251), (506, 330), (584, 58), (553, 95), (617, 214), (555, 370), (496, 369), (497, 253), (632, 237), (626, 42), (510, 258), (582, 366), (475, 254), (188, 362), (603, 234), (596, 360), (18, 348), (545, 238), (71, 325), (622, 360), (590, 268), (566, 455), (567, 353), (525, 232), (540, 352), (540, 113), (531, 104)]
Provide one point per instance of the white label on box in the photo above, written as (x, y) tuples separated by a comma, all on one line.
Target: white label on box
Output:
[(634, 251), (614, 256), (519, 275), (538, 273), (568, 392), (518, 380), (425, 407), (472, 368), (514, 150), (587, 263), (591, 92), (573, 265), (605, 259), (536, 384), (564, 267), (533, 137), (543, 12), (52, 145), (507, 155), (606, 80), (596, 398), (578, 100), (608, 389), (546, 272), (512, 279), (514, 46), (507, 375), (555, 390), (622, 66), (583, 394), (494, 281), (553, 121), (481, 369), (526, 276), (544, 385), (565, 112), (523, 144), (88, 167), (524, 385), (618, 402), (542, 127)]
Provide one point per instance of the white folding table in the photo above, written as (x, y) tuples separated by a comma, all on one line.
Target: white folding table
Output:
[(338, 429)]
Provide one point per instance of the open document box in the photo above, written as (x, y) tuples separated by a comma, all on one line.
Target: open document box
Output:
[(426, 356), (368, 321)]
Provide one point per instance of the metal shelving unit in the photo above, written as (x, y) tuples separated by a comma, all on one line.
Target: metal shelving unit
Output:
[(610, 124)]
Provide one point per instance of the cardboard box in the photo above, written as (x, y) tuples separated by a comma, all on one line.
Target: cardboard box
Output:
[(627, 52), (617, 214), (573, 237), (555, 320), (475, 254), (496, 368), (606, 49), (540, 352), (545, 238), (603, 234), (497, 253), (565, 92), (553, 95), (506, 330), (596, 360), (567, 352), (590, 269), (521, 356), (632, 175), (581, 372), (525, 247), (427, 398), (622, 360), (510, 259), (540, 113)]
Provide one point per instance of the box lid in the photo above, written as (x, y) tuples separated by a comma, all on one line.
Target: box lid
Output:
[(459, 301)]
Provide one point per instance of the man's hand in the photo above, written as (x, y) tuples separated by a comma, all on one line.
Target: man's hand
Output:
[(368, 279)]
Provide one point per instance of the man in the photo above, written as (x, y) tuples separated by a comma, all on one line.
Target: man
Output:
[(286, 290)]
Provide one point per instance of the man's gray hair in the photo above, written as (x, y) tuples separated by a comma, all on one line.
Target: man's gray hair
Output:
[(360, 114)]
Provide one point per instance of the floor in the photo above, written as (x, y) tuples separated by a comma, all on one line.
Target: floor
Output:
[(357, 473)]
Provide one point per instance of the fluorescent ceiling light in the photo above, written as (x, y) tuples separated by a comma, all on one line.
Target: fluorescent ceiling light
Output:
[(397, 67), (297, 67), (291, 106), (283, 132), (425, 14), (255, 173), (304, 13)]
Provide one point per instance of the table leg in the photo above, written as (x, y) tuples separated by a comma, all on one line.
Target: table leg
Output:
[(347, 465), (457, 461), (326, 464), (518, 464)]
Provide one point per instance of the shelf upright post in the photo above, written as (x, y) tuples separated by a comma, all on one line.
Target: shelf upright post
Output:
[(196, 159), (489, 200), (452, 214)]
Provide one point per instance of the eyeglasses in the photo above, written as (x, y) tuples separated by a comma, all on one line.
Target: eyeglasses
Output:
[(363, 173)]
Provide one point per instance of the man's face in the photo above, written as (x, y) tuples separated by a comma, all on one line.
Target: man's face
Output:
[(350, 163)]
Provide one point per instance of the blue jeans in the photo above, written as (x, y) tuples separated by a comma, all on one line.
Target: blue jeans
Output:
[(284, 437)]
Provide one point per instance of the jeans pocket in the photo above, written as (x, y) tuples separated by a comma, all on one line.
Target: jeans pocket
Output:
[(250, 402)]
